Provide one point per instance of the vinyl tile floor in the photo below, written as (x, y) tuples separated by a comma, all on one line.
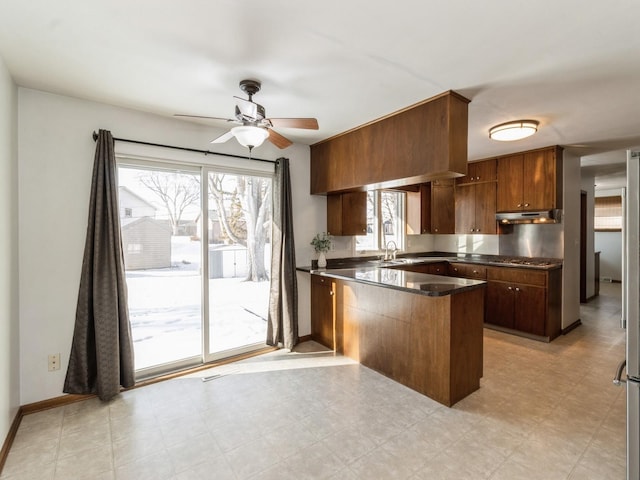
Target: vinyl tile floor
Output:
[(544, 411)]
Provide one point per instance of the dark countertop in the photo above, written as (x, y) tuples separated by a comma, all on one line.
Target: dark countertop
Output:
[(536, 263), (376, 272), (419, 283)]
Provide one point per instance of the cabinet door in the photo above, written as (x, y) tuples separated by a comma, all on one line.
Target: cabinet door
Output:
[(437, 268), (465, 213), (485, 171), (529, 309), (322, 310), (509, 195), (419, 210), (442, 209), (467, 270), (485, 212), (539, 180), (499, 302), (347, 213)]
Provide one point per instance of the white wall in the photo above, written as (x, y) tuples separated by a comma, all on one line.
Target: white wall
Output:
[(9, 326), (609, 244), (56, 153), (571, 223), (588, 186)]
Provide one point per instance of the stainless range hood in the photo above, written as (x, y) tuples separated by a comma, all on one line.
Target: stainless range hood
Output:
[(543, 217)]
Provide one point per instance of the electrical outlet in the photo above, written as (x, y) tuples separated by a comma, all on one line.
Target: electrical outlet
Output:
[(54, 362)]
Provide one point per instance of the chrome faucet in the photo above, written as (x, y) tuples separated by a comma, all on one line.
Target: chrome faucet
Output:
[(393, 252)]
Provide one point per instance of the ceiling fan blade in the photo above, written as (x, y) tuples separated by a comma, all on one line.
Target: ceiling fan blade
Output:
[(247, 108), (278, 140), (223, 138), (307, 123), (202, 116)]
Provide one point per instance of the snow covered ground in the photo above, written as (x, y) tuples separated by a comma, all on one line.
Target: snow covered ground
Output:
[(165, 308)]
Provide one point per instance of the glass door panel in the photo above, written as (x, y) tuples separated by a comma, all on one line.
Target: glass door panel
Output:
[(239, 229), (160, 222)]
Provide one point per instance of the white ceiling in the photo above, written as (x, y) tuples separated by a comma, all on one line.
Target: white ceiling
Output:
[(574, 65)]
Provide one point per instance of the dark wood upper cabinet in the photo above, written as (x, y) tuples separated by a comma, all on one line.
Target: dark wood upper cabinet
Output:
[(475, 199), (418, 210), (347, 213), (482, 171), (424, 142), (530, 181), (431, 209), (442, 207)]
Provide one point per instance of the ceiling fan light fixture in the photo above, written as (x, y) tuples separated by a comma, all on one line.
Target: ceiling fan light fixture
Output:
[(516, 130), (249, 135)]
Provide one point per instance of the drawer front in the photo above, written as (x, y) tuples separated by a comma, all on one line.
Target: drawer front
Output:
[(320, 280), (465, 270), (517, 275)]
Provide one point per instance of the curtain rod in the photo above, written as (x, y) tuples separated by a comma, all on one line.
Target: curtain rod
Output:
[(206, 152)]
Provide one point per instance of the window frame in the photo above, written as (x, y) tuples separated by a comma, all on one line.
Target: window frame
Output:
[(379, 237)]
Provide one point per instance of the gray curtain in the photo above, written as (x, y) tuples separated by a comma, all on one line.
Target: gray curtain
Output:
[(101, 359), (282, 327)]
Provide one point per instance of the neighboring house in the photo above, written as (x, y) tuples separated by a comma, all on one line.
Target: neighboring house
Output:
[(146, 243), (134, 206)]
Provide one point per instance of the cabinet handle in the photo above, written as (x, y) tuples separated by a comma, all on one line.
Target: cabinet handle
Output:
[(526, 204), (509, 288), (472, 230), (477, 178), (475, 272), (435, 229), (519, 205), (331, 293), (517, 289)]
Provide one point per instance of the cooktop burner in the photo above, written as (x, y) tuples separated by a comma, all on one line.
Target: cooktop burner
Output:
[(525, 261)]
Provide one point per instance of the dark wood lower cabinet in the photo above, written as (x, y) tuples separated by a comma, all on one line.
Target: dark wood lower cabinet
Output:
[(517, 306), (323, 310), (430, 344), (518, 299), (525, 301)]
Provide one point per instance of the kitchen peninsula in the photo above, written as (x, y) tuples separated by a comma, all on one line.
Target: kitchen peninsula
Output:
[(422, 330)]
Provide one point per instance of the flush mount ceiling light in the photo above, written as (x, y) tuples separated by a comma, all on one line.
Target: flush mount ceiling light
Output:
[(517, 130), (250, 136)]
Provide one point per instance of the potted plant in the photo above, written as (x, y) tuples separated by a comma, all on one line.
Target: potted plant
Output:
[(321, 243)]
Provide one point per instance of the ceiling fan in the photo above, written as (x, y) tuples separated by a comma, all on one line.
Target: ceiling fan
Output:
[(253, 126)]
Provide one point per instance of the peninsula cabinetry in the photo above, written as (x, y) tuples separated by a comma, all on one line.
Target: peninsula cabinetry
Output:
[(347, 213), (530, 181), (475, 199), (323, 310), (432, 344)]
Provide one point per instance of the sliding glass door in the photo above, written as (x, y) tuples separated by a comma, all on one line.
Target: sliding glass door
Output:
[(239, 208), (195, 294), (160, 218)]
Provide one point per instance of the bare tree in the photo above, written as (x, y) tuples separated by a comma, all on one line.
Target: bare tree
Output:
[(176, 191), (254, 194)]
